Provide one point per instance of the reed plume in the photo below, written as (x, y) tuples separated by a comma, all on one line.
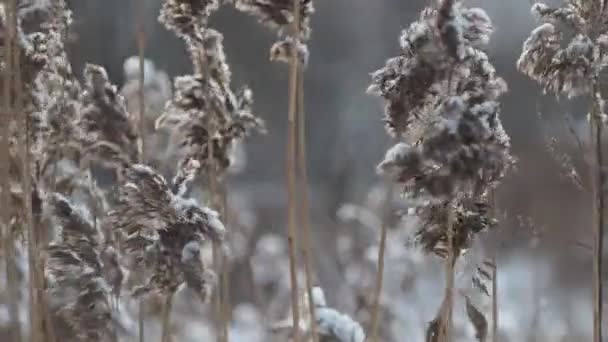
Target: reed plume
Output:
[(79, 296), (566, 55), (442, 101)]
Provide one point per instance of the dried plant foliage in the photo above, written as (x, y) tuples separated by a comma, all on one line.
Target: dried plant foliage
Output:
[(567, 55), (442, 97), (108, 132), (43, 70), (79, 295), (472, 218), (478, 320), (187, 18), (483, 276), (205, 110), (163, 231), (279, 15), (569, 49), (442, 103)]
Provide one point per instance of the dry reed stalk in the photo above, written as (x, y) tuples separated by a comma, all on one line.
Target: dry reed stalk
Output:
[(225, 300), (142, 112), (166, 318), (304, 205), (13, 69), (7, 234), (599, 180), (217, 297), (291, 172), (141, 45), (445, 328), (225, 270), (493, 211), (494, 300), (217, 204), (446, 319), (48, 327), (380, 273), (140, 321), (569, 60), (12, 286)]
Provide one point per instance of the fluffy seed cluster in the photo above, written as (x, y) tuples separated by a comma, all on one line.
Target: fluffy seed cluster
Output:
[(442, 97), (569, 49), (48, 98), (106, 128), (204, 108), (79, 295), (163, 232), (186, 18), (471, 218), (205, 112), (279, 15)]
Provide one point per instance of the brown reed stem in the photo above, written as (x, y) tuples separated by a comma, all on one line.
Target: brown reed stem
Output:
[(445, 329), (291, 170), (380, 274), (599, 181), (226, 306), (142, 110), (493, 209), (7, 234), (494, 300), (216, 203), (225, 270), (166, 318), (141, 45), (305, 205), (14, 70), (140, 321)]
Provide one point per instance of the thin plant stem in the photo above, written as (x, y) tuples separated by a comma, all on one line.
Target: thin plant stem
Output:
[(217, 296), (13, 290), (140, 322), (141, 45), (225, 269), (48, 319), (380, 274), (7, 234), (166, 318), (217, 258), (291, 171), (494, 300), (226, 308), (23, 122), (304, 204), (599, 180), (142, 110), (494, 210), (446, 318)]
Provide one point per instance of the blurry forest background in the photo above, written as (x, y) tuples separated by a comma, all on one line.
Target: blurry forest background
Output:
[(543, 256)]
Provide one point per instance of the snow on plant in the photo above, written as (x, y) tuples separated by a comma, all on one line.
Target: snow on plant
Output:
[(442, 103), (442, 100), (205, 110), (279, 15)]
